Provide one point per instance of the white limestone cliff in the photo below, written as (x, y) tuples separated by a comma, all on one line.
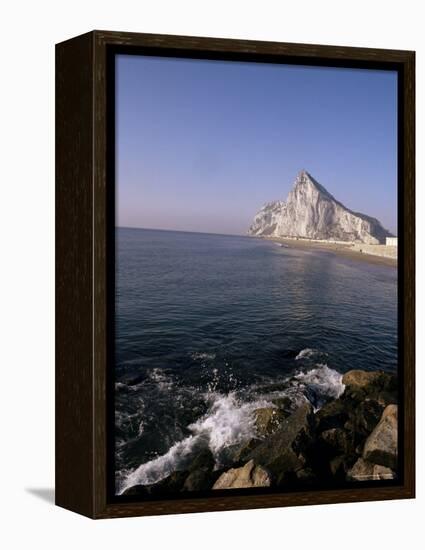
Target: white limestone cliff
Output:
[(311, 212)]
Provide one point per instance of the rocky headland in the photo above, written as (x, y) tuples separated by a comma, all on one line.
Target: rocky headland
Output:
[(352, 438), (311, 212)]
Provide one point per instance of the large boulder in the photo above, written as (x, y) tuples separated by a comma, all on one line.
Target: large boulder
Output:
[(201, 472), (284, 453), (245, 477), (381, 445), (332, 415), (204, 460), (268, 420), (359, 383), (367, 471)]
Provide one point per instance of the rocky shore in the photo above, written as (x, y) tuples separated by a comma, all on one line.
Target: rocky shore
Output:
[(352, 438)]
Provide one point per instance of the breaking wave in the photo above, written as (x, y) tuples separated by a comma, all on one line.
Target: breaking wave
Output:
[(321, 384), (228, 422)]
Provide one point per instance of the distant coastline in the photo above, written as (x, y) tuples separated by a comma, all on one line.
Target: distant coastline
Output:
[(348, 249)]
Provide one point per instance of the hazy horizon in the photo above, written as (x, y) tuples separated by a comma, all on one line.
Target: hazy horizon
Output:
[(202, 145), (182, 231)]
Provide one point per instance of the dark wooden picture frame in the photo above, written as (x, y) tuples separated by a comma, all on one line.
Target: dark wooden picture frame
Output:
[(84, 259)]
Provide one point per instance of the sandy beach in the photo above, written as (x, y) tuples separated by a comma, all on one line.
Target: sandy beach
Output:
[(342, 249)]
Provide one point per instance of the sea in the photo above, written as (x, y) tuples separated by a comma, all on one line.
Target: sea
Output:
[(211, 327)]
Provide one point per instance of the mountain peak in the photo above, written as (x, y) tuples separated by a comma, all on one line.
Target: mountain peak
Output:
[(305, 178), (311, 212)]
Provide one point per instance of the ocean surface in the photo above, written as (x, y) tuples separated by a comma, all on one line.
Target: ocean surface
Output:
[(211, 327)]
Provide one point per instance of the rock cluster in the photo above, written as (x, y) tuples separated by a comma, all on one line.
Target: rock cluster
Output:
[(311, 212), (352, 438)]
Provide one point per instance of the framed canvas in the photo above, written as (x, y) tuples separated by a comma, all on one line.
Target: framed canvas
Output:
[(234, 274)]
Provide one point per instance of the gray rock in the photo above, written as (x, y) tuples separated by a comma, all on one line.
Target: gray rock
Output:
[(268, 420), (284, 452), (311, 212), (245, 477), (381, 445)]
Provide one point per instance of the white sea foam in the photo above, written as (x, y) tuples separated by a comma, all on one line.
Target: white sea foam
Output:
[(202, 356), (160, 467), (324, 381), (227, 422), (306, 353), (164, 382)]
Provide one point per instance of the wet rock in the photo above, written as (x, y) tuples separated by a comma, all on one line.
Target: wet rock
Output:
[(284, 404), (359, 383), (240, 452), (381, 445), (285, 450), (245, 477), (201, 475), (268, 420), (366, 471), (204, 460), (332, 415)]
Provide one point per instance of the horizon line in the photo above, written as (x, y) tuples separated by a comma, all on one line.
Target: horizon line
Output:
[(183, 231)]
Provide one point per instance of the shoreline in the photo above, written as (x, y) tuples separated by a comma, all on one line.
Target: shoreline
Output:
[(341, 249)]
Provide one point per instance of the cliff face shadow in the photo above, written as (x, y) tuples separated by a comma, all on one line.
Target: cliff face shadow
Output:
[(44, 493)]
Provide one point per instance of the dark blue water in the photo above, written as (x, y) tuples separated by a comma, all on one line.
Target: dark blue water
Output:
[(208, 326)]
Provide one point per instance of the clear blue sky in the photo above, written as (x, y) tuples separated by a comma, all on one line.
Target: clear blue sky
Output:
[(202, 145)]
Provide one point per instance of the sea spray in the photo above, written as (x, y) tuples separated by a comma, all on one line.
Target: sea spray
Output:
[(227, 422), (320, 384)]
